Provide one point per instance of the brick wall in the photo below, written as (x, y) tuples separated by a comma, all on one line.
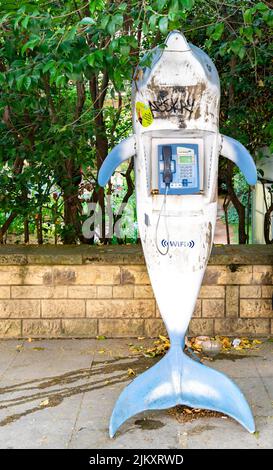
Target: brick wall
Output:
[(89, 291)]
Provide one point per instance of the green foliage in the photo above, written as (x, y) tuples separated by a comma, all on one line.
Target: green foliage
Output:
[(45, 54), (242, 49), (241, 189), (65, 72)]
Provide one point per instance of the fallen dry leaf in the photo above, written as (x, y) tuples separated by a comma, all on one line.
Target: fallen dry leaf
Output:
[(226, 342), (163, 338), (162, 344), (131, 372), (45, 402), (181, 413)]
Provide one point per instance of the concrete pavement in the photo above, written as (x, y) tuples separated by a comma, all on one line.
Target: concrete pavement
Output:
[(60, 394)]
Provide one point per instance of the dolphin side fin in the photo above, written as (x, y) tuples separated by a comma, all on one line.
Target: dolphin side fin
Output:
[(120, 153), (238, 154), (177, 379)]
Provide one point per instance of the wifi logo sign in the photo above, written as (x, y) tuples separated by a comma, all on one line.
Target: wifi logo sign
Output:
[(177, 243)]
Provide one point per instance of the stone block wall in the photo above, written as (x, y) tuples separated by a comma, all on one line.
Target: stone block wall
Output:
[(90, 291)]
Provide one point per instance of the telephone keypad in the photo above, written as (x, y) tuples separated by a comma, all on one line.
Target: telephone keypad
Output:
[(186, 171)]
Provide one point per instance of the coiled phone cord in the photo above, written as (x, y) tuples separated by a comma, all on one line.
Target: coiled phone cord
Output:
[(166, 226)]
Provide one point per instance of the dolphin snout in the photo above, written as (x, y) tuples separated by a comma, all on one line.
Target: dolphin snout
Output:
[(176, 41)]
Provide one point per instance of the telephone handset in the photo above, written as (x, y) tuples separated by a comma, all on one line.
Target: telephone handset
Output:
[(167, 164)]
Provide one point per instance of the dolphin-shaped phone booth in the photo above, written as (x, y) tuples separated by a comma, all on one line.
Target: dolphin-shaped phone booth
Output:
[(176, 146)]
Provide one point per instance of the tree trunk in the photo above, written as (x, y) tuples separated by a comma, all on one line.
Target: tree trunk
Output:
[(240, 208), (26, 231), (98, 97), (70, 187), (129, 192), (17, 169), (225, 207), (6, 225), (267, 225), (267, 215), (102, 151), (39, 228), (248, 208)]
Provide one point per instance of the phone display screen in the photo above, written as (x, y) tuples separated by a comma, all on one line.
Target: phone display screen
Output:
[(185, 159)]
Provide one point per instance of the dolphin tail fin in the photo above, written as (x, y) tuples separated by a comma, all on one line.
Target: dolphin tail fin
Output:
[(120, 153), (177, 379), (238, 154)]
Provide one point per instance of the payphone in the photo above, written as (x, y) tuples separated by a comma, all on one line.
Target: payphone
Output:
[(180, 166), (176, 145)]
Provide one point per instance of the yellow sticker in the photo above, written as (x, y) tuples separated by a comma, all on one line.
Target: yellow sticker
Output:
[(144, 114)]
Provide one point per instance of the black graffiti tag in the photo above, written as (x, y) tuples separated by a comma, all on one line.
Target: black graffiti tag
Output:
[(172, 104)]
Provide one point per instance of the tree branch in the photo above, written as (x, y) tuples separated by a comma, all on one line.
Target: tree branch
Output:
[(52, 110), (6, 225), (129, 192), (104, 87), (80, 98)]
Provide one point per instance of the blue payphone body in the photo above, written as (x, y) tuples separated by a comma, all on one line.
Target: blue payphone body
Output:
[(178, 167)]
